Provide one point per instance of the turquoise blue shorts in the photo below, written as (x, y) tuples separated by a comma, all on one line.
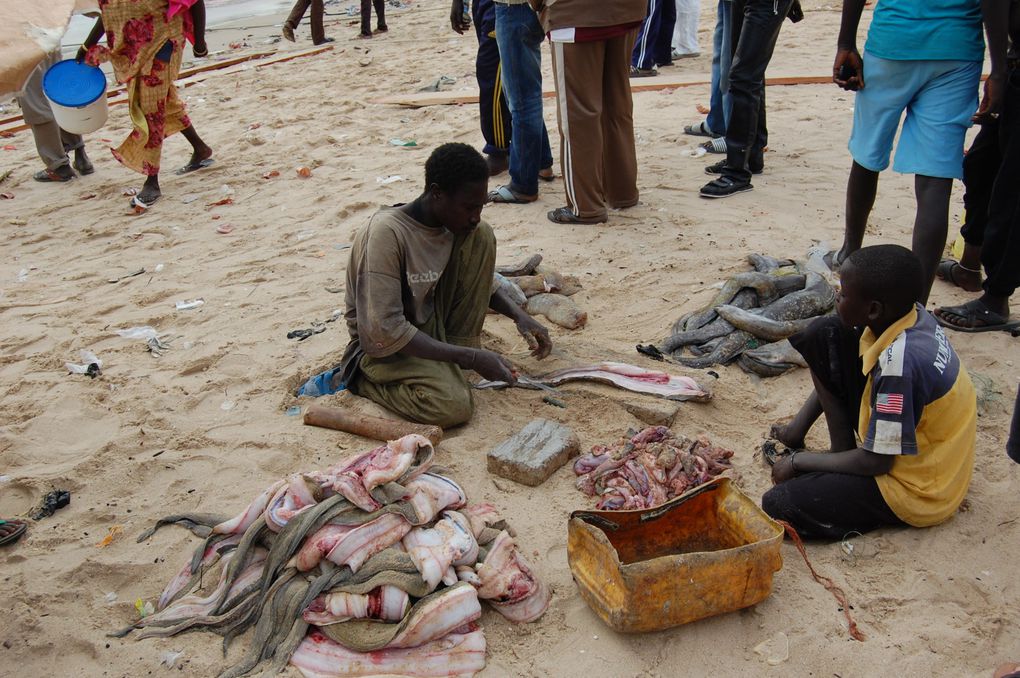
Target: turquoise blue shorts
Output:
[(938, 97)]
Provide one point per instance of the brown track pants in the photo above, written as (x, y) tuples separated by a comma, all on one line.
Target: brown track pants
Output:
[(596, 122)]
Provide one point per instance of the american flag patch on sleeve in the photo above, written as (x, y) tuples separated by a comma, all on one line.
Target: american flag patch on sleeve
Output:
[(889, 403)]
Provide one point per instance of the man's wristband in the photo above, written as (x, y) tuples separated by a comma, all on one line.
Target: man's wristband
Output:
[(793, 462)]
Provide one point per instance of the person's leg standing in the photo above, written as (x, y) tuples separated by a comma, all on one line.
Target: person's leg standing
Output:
[(296, 14), (578, 69), (493, 111), (380, 15), (878, 108), (38, 115), (366, 18), (1001, 251), (716, 119), (931, 148), (760, 23), (315, 21), (520, 36), (685, 33), (663, 53), (619, 163), (643, 56)]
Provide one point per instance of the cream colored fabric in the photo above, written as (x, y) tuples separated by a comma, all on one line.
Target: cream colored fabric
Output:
[(29, 30)]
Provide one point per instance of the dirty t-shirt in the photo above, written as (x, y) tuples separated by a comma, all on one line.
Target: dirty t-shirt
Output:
[(395, 265)]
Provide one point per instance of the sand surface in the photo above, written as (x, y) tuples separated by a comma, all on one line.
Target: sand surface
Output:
[(205, 427)]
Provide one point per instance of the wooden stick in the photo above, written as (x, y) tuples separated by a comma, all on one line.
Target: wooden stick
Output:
[(376, 428), (116, 95), (422, 99)]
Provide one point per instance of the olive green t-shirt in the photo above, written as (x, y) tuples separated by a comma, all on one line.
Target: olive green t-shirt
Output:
[(395, 265)]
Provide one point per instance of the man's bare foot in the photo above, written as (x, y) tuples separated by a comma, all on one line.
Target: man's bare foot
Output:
[(783, 434)]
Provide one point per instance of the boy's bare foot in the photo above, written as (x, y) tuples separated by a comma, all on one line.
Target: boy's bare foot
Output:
[(783, 434), (288, 32)]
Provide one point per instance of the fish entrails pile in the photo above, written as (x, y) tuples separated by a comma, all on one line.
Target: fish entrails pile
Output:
[(750, 319), (648, 468), (374, 566)]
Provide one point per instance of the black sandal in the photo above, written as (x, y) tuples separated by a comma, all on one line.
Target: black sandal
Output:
[(772, 450)]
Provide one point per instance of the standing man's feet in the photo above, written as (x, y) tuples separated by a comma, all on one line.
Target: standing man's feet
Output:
[(724, 187), (955, 273), (323, 41), (497, 162), (82, 162), (547, 174), (636, 72), (364, 36), (201, 158), (60, 174), (288, 32), (717, 168), (382, 28), (148, 196)]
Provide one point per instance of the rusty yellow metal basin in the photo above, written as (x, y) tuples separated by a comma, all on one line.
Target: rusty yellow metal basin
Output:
[(709, 551)]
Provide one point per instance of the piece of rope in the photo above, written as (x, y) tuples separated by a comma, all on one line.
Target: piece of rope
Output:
[(829, 585)]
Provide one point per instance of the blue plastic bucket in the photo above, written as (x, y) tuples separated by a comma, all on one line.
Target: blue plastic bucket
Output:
[(77, 95)]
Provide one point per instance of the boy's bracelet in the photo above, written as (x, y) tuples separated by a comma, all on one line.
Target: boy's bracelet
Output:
[(793, 462)]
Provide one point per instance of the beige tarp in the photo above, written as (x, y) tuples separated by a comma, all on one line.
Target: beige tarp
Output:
[(29, 29)]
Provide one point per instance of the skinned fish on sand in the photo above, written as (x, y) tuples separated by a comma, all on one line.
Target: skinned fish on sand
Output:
[(375, 565)]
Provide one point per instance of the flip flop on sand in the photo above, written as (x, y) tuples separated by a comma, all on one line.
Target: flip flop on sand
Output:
[(636, 72), (139, 205), (53, 175), (11, 530), (772, 450), (977, 316), (563, 215), (505, 194), (195, 166), (947, 271), (547, 174), (699, 129)]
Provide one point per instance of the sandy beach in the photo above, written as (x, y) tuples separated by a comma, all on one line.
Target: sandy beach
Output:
[(206, 426)]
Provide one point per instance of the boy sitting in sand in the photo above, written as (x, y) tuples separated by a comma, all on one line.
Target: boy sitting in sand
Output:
[(419, 282), (886, 369)]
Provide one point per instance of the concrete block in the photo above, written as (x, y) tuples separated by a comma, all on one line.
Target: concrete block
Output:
[(533, 454)]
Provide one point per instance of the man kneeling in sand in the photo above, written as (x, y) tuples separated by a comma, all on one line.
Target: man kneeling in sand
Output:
[(886, 369), (419, 281)]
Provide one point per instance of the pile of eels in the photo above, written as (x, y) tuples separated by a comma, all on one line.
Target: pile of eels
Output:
[(750, 319), (373, 566)]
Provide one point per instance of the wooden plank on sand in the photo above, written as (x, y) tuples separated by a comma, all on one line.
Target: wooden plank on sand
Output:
[(191, 76), (660, 82)]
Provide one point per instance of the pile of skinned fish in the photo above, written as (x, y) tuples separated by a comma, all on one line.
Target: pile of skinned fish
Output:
[(539, 290), (621, 375), (374, 566), (750, 319), (648, 468)]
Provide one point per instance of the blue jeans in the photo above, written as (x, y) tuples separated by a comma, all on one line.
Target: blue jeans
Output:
[(722, 56), (519, 36)]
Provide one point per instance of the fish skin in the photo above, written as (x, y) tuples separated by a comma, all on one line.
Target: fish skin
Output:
[(557, 309), (729, 348), (719, 327), (526, 267), (762, 283), (762, 326), (456, 654), (773, 359), (200, 524), (511, 290), (817, 297)]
